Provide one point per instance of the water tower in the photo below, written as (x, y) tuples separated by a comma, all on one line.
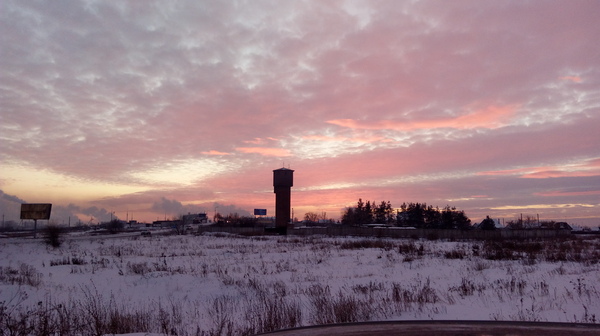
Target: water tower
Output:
[(283, 180)]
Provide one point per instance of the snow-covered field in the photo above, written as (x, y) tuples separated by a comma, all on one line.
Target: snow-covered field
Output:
[(229, 285)]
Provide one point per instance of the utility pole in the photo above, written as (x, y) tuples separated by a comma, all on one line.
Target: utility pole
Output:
[(521, 219)]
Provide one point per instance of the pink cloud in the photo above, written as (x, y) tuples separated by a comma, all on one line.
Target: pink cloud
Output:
[(266, 151), (574, 79), (489, 117), (586, 168), (568, 193), (518, 171), (215, 152), (595, 163), (259, 141), (360, 139), (559, 173)]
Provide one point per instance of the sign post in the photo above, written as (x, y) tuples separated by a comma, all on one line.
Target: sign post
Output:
[(36, 211), (260, 212)]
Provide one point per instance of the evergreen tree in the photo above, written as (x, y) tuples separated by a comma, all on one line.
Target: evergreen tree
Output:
[(432, 217), (454, 219), (384, 213), (414, 215), (367, 215), (349, 216), (419, 215)]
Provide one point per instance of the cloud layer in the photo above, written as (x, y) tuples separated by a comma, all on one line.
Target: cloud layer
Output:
[(493, 107)]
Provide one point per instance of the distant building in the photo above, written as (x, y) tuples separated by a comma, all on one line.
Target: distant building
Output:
[(199, 218), (265, 221), (488, 224), (164, 223), (556, 226)]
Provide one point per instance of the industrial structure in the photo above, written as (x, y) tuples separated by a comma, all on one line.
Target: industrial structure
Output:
[(283, 180)]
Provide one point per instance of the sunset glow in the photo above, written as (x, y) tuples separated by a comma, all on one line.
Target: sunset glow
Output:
[(159, 108)]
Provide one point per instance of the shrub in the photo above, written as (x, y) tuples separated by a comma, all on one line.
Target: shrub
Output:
[(455, 254), (24, 275), (53, 236), (140, 268), (366, 243)]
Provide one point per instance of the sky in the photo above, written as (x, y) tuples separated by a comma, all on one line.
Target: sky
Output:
[(147, 110)]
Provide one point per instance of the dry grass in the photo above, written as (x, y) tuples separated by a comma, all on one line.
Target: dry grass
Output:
[(258, 300)]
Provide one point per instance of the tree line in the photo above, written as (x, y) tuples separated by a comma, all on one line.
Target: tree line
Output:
[(418, 215)]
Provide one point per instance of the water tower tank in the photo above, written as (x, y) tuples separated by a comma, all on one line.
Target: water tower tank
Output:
[(283, 177)]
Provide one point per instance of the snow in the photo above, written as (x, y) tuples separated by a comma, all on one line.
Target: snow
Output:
[(200, 282)]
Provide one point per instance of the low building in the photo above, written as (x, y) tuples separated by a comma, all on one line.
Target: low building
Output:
[(199, 218)]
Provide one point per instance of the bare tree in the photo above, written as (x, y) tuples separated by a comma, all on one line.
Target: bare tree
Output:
[(311, 217)]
